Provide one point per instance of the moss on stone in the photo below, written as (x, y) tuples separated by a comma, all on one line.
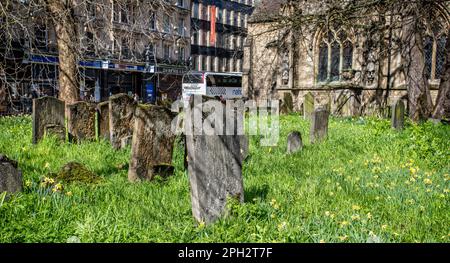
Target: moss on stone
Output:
[(76, 172)]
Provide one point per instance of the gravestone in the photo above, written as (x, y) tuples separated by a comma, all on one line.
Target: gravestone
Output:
[(47, 111), (244, 144), (294, 142), (398, 115), (319, 125), (81, 121), (10, 176), (308, 106), (152, 143), (103, 120), (57, 131), (287, 105), (214, 168), (121, 121)]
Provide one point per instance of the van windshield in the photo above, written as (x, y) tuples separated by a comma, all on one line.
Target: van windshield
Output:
[(193, 78)]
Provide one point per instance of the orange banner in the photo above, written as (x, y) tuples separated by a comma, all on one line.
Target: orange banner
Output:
[(212, 36)]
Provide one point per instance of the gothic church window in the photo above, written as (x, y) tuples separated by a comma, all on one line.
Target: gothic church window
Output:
[(434, 46), (335, 55)]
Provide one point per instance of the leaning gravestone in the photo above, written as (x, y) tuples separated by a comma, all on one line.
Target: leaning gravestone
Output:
[(398, 115), (319, 125), (294, 142), (121, 121), (81, 121), (308, 106), (152, 143), (103, 120), (47, 111), (214, 166), (10, 176)]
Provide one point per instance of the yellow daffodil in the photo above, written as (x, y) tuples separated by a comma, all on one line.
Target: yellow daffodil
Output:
[(369, 215), (356, 207), (427, 181), (343, 238), (355, 217), (344, 223)]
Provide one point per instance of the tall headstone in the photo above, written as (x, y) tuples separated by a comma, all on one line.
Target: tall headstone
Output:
[(121, 120), (152, 143), (10, 176), (47, 111), (319, 125), (398, 115), (103, 120), (308, 106), (287, 105), (81, 121), (214, 168), (294, 142)]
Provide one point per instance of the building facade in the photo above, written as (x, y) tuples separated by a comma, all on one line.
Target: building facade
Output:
[(351, 69), (219, 30), (125, 46)]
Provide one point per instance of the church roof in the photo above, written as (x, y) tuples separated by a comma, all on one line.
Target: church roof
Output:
[(267, 10)]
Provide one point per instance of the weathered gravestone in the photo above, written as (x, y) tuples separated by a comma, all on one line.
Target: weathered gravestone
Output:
[(121, 121), (103, 120), (398, 115), (10, 176), (294, 142), (308, 106), (47, 111), (244, 144), (152, 143), (287, 105), (55, 130), (319, 125), (214, 165), (81, 121)]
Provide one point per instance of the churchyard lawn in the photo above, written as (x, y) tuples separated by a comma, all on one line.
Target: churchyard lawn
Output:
[(366, 183)]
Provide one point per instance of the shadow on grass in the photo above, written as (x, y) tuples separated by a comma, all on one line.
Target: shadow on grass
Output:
[(259, 191)]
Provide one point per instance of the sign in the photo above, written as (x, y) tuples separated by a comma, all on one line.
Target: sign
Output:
[(212, 37), (105, 64), (150, 92)]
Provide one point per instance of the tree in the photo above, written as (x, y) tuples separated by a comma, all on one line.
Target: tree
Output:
[(419, 98), (61, 13)]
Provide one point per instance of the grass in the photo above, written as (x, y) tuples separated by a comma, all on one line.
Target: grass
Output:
[(366, 183)]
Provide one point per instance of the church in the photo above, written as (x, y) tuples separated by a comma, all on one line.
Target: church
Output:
[(354, 67)]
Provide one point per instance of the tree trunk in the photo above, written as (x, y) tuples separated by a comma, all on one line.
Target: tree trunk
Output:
[(419, 97), (66, 32), (442, 108)]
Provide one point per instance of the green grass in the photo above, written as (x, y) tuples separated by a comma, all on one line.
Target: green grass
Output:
[(366, 182)]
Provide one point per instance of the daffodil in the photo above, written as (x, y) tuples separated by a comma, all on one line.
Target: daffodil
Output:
[(356, 207), (69, 193), (343, 238), (355, 217), (384, 227), (344, 223), (427, 181)]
